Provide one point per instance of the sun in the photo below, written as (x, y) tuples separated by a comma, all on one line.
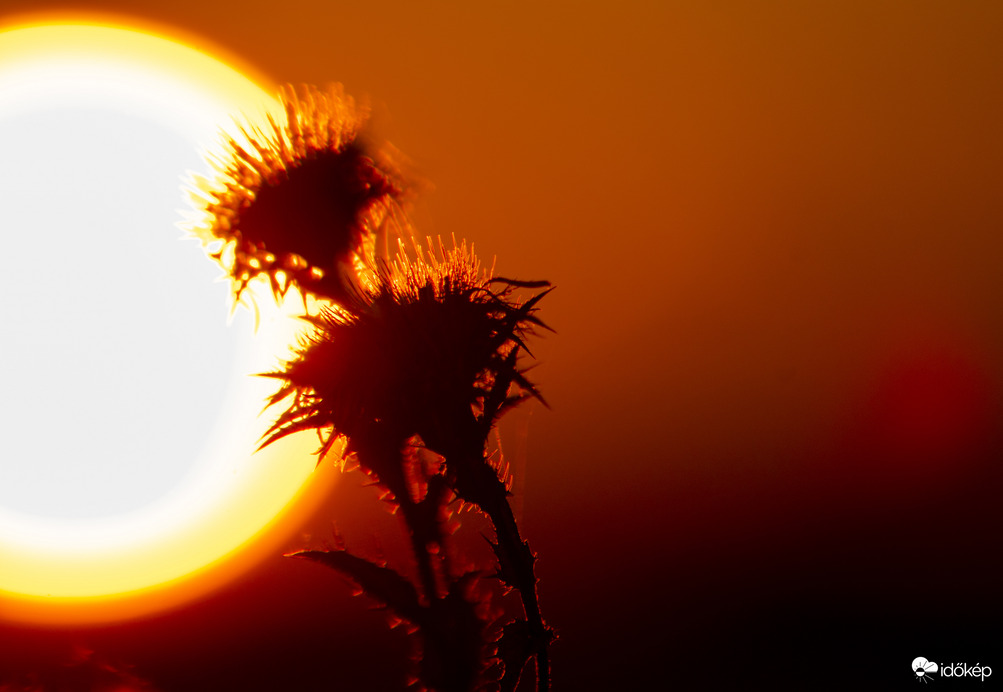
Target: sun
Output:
[(129, 416)]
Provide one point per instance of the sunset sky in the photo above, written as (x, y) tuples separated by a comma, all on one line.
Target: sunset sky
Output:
[(776, 230)]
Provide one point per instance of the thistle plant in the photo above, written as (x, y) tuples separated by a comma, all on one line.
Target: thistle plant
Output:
[(411, 357)]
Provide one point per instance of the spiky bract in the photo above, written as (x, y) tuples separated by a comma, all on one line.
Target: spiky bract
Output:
[(300, 200)]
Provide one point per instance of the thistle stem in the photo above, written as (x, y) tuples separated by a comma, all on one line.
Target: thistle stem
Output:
[(419, 543), (476, 481), (449, 664), (521, 561)]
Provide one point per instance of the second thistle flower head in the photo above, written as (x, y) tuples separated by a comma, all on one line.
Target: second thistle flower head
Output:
[(299, 201), (434, 353)]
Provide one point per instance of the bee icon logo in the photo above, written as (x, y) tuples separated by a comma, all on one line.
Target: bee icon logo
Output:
[(923, 668)]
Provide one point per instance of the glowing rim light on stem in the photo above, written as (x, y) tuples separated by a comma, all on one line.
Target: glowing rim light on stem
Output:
[(104, 569)]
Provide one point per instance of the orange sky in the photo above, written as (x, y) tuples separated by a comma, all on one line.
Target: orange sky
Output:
[(776, 232)]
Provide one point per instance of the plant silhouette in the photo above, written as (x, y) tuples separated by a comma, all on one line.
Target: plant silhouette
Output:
[(412, 357)]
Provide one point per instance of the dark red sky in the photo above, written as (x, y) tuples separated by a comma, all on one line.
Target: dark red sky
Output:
[(776, 231)]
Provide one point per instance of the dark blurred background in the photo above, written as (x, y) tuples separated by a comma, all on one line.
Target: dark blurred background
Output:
[(772, 459)]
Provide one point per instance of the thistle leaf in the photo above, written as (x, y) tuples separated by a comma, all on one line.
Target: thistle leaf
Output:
[(382, 583), (515, 646)]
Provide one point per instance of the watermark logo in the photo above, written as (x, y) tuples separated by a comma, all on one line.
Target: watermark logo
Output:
[(924, 669)]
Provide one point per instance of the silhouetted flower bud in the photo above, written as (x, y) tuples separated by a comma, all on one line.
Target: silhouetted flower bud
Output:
[(431, 352), (300, 202)]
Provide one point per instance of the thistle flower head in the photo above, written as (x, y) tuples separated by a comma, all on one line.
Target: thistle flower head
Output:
[(299, 201), (437, 345)]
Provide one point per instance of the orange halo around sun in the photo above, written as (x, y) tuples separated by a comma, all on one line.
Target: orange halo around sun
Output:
[(245, 506)]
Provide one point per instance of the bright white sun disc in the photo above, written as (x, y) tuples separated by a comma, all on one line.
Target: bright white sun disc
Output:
[(130, 416)]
